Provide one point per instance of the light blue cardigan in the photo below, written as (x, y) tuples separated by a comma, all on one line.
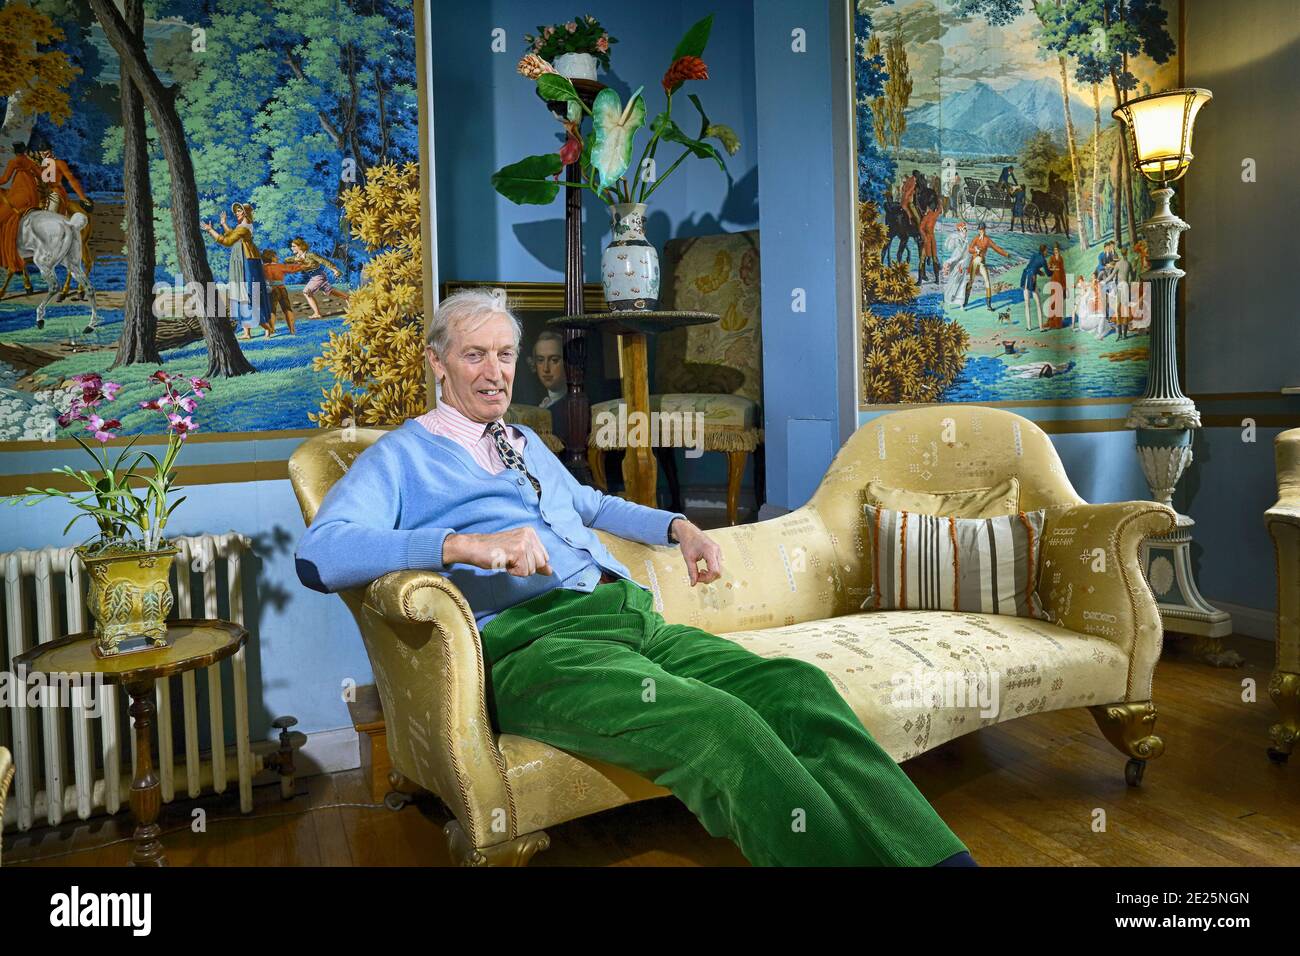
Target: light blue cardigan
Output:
[(404, 494)]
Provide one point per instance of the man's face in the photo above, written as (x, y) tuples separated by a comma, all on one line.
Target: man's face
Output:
[(478, 372), (549, 364)]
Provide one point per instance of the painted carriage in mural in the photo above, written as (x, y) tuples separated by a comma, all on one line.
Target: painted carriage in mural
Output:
[(990, 199)]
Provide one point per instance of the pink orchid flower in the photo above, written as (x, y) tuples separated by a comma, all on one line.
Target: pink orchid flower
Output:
[(181, 426), (102, 428)]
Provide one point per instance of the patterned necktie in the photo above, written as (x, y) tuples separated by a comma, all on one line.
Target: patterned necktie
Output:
[(511, 457)]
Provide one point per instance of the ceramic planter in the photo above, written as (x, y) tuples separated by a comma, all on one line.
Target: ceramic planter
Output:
[(629, 266), (576, 66), (130, 598)]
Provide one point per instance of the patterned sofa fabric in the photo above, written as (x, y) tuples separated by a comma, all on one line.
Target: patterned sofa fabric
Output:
[(919, 678)]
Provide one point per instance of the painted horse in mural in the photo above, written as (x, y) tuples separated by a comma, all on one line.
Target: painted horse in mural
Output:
[(902, 227), (48, 240)]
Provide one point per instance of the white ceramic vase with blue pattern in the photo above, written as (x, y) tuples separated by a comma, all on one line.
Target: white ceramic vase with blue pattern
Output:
[(629, 266)]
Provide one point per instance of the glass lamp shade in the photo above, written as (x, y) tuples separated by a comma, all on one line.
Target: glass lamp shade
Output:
[(1159, 129)]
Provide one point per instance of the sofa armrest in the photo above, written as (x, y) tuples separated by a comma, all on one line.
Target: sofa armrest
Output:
[(428, 663), (1092, 580), (1283, 523)]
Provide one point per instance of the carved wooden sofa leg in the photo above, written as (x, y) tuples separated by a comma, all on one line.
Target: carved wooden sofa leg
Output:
[(1284, 688), (516, 852), (1128, 726)]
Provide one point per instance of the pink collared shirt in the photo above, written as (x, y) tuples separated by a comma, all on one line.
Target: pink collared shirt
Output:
[(471, 435)]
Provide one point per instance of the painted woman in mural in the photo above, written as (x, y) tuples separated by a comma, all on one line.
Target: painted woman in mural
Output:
[(954, 267), (247, 291)]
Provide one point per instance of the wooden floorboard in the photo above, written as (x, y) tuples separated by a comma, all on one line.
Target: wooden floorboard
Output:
[(1023, 793)]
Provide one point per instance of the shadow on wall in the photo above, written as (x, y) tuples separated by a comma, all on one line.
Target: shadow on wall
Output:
[(543, 239)]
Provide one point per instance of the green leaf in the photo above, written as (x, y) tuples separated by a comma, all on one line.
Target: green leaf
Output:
[(695, 40), (673, 134), (526, 182), (553, 86), (614, 128)]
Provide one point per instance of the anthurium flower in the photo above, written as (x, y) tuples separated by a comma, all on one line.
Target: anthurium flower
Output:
[(615, 125)]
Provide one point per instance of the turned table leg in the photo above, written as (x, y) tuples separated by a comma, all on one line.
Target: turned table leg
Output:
[(640, 470), (146, 789)]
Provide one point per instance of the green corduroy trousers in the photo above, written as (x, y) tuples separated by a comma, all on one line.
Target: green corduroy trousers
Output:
[(764, 751)]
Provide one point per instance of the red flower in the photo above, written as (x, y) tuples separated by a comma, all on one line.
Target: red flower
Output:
[(683, 69), (571, 149)]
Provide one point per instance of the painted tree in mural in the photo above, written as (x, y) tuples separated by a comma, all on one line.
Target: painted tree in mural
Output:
[(1101, 36), (378, 362), (875, 167), (892, 107), (224, 355), (1001, 13), (138, 342), (34, 78), (288, 104)]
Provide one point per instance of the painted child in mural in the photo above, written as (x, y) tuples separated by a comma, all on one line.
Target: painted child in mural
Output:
[(979, 248), (23, 178), (275, 272), (247, 291), (319, 280), (954, 267)]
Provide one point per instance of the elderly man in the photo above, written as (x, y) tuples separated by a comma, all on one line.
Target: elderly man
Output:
[(763, 751)]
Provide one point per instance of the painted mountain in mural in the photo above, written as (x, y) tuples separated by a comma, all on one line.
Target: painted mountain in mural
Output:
[(981, 121)]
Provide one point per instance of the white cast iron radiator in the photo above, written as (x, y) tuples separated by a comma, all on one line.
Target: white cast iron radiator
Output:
[(44, 599)]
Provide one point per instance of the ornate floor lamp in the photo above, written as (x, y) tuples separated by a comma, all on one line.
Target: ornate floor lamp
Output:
[(1159, 130)]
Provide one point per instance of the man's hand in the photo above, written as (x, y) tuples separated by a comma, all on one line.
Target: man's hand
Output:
[(518, 551), (697, 546)]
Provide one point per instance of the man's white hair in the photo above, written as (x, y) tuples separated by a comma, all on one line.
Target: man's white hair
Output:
[(467, 309)]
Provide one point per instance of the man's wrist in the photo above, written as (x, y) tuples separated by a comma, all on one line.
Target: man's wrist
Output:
[(674, 535)]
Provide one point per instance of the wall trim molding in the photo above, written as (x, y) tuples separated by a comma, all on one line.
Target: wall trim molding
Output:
[(1253, 622), (325, 751)]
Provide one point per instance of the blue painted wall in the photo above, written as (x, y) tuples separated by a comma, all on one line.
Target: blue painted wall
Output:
[(487, 116), (798, 218), (304, 644)]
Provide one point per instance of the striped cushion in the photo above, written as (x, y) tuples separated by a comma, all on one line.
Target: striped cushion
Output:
[(933, 563)]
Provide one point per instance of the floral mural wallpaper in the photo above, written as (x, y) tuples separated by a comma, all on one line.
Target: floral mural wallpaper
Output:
[(242, 177), (999, 257)]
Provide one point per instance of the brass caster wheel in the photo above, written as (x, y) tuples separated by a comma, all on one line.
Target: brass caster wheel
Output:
[(1277, 756), (1133, 771), (395, 801)]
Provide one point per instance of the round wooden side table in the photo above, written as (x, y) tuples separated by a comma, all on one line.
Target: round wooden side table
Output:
[(640, 469), (192, 644)]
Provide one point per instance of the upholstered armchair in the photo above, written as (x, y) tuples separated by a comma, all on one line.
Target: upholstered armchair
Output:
[(792, 586), (714, 370), (1283, 522)]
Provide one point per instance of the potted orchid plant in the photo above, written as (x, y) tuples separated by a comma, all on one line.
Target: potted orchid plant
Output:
[(575, 48), (129, 559), (629, 264)]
